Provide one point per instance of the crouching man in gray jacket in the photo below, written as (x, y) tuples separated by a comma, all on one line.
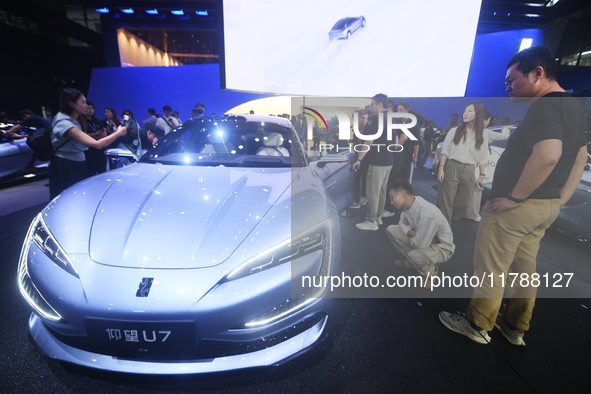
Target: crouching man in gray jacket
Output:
[(422, 236)]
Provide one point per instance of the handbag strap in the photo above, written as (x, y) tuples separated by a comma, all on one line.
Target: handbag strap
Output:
[(63, 143), (168, 123)]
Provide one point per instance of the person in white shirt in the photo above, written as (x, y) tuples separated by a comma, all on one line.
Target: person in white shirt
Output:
[(168, 122), (464, 148), (422, 236), (473, 211)]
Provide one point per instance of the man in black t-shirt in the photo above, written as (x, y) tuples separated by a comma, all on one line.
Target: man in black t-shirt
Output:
[(428, 134), (410, 153), (537, 173), (380, 164)]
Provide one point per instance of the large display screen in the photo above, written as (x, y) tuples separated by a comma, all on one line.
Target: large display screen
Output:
[(418, 48)]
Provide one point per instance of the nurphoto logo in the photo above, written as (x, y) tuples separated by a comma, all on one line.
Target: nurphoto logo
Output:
[(344, 123)]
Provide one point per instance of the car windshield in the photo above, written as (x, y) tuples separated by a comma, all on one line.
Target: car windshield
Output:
[(340, 24), (231, 141)]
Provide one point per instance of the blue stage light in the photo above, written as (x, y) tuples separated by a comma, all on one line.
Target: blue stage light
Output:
[(127, 10), (103, 10), (177, 12), (153, 11)]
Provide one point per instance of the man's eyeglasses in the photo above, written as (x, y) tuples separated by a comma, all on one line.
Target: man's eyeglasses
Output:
[(391, 196), (509, 82)]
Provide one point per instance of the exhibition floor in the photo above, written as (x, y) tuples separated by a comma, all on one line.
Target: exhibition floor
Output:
[(373, 344)]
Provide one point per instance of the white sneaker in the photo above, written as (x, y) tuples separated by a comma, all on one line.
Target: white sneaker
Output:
[(355, 205), (387, 214), (367, 225), (459, 324), (363, 201), (514, 336), (379, 221)]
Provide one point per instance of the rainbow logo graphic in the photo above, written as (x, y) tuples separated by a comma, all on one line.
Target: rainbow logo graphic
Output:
[(318, 118)]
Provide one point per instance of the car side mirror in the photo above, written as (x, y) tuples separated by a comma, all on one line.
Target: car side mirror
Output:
[(118, 157), (118, 152)]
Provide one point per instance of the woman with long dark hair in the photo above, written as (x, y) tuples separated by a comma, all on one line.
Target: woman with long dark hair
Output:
[(464, 148), (111, 121), (133, 129), (68, 164)]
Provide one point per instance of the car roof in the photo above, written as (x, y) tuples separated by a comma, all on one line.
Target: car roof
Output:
[(343, 22), (263, 118)]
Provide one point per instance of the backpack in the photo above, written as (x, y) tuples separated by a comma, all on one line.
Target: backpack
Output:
[(40, 144)]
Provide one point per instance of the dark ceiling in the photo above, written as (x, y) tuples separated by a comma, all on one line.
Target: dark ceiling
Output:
[(57, 43), (528, 13), (194, 39)]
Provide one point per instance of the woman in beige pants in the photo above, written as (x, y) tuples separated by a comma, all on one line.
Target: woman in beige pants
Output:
[(465, 147)]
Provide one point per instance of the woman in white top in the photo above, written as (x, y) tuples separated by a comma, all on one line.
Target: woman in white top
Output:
[(464, 148), (473, 211)]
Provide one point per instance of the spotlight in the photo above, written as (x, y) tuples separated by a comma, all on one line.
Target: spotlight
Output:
[(202, 12), (103, 10), (153, 11), (177, 12), (525, 43), (127, 10)]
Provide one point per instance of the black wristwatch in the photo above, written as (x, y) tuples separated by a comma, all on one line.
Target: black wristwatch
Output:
[(515, 199)]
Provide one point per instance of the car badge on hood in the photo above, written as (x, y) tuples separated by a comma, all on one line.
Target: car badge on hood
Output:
[(144, 287)]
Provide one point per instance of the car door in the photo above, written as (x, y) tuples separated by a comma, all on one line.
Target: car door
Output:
[(338, 179), (575, 215)]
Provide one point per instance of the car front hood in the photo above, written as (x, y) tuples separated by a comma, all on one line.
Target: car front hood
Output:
[(182, 217)]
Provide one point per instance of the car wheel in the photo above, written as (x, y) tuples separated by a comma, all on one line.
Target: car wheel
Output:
[(363, 22), (348, 35)]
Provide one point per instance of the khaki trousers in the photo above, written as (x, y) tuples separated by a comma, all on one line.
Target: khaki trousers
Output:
[(376, 190), (508, 243), (454, 195), (473, 211)]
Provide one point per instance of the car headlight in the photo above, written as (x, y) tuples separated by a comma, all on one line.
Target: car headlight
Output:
[(40, 234), (316, 238)]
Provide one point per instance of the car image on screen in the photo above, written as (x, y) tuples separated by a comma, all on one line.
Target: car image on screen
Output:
[(343, 29), (184, 262)]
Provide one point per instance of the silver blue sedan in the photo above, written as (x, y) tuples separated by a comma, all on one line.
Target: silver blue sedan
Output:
[(190, 260), (343, 29)]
